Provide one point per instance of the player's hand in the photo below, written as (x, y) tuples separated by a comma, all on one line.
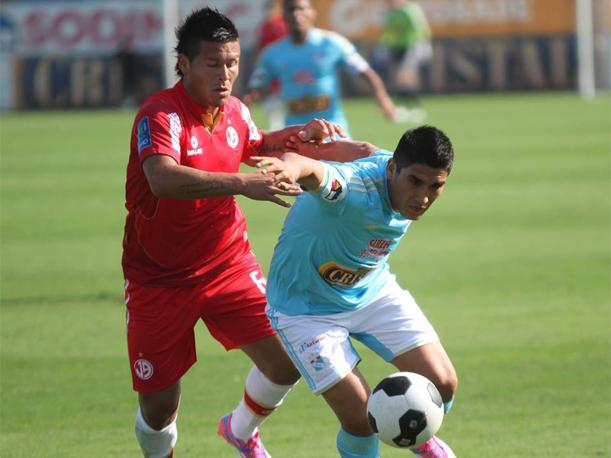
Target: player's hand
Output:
[(317, 130), (263, 185), (388, 109), (308, 149), (284, 172)]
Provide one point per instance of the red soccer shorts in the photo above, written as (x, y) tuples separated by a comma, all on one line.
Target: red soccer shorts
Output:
[(161, 320)]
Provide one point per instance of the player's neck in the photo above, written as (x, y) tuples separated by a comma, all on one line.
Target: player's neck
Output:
[(299, 38)]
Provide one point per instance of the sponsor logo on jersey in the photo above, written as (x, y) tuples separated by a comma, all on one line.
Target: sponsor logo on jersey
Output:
[(335, 190), (305, 346), (194, 147), (334, 274), (377, 249), (144, 134), (143, 369), (304, 77), (232, 137)]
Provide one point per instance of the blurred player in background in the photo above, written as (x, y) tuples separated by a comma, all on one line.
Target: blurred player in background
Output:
[(186, 254), (405, 46), (329, 279), (307, 63), (271, 30)]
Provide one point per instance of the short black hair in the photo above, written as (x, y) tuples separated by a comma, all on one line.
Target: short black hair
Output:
[(424, 145), (205, 24)]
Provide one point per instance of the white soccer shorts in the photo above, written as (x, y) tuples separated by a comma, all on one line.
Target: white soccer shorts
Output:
[(320, 345)]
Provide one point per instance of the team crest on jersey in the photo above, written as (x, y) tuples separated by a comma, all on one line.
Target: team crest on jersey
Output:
[(232, 137), (335, 190), (144, 134), (318, 363), (338, 275), (143, 369)]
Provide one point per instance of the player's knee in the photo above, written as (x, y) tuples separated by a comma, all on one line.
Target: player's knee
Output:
[(159, 409), (281, 371)]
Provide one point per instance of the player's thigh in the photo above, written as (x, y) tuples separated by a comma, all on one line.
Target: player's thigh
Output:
[(319, 346), (432, 361), (160, 337), (392, 324), (234, 305), (348, 399)]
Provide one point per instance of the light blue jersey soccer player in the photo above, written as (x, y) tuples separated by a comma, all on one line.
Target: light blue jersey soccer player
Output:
[(329, 279), (306, 63)]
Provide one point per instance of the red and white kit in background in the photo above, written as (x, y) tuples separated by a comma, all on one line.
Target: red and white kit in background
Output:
[(187, 259)]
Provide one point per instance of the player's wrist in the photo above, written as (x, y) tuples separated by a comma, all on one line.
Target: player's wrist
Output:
[(238, 183)]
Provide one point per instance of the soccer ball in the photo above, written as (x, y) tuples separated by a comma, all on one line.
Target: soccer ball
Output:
[(405, 409)]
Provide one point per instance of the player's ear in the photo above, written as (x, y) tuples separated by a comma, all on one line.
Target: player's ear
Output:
[(183, 64), (392, 167)]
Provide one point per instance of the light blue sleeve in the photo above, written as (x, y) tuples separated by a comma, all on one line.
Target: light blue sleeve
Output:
[(352, 61), (334, 186), (344, 185)]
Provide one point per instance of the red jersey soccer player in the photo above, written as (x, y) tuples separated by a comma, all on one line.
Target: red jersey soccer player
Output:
[(186, 254)]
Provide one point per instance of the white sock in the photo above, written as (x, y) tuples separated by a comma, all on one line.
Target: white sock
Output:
[(261, 398), (155, 444)]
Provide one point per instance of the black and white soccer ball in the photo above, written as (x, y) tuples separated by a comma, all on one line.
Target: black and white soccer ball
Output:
[(405, 409)]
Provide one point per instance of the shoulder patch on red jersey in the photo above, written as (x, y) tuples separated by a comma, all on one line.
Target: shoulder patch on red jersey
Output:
[(144, 134)]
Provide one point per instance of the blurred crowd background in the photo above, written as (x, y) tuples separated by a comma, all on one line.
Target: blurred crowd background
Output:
[(101, 53)]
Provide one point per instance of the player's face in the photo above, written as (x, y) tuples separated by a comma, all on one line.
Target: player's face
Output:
[(413, 189), (209, 77), (299, 16)]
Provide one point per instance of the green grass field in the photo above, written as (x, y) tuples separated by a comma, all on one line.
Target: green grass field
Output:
[(511, 265)]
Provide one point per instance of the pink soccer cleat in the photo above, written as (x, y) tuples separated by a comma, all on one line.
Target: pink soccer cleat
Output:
[(434, 448), (253, 448)]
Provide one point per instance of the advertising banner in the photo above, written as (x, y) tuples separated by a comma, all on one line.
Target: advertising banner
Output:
[(67, 53), (92, 53), (478, 44), (361, 20)]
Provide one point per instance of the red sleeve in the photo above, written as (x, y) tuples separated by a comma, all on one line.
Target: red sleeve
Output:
[(158, 131)]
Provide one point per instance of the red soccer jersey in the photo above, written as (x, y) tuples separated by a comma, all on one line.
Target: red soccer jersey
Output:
[(175, 241)]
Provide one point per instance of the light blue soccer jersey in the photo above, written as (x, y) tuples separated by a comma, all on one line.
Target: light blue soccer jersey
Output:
[(332, 254), (309, 81)]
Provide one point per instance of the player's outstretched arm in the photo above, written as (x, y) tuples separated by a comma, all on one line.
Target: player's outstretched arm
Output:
[(167, 179), (315, 131), (343, 150), (379, 89), (294, 168)]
